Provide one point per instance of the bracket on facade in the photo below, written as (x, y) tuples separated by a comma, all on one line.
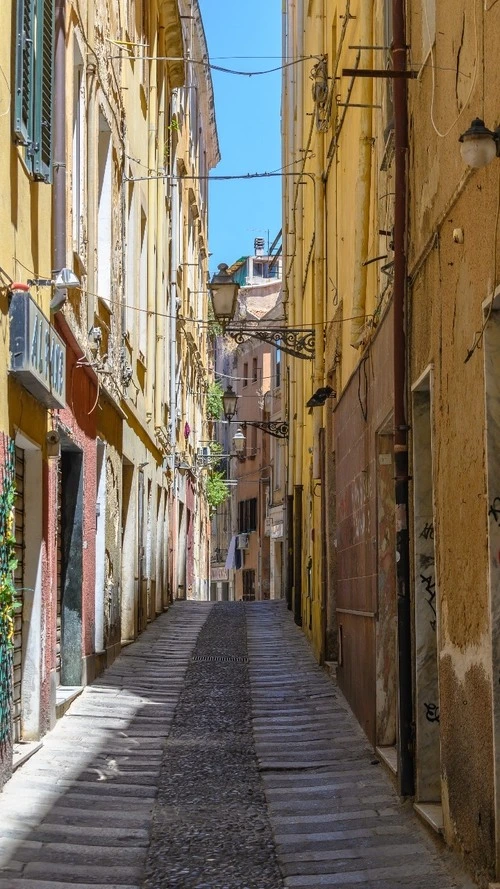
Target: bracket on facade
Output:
[(276, 428), (296, 341)]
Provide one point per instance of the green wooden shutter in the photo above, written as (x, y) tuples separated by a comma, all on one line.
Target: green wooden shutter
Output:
[(44, 87), (23, 104)]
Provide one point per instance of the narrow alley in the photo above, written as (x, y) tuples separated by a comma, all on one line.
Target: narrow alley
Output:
[(213, 754)]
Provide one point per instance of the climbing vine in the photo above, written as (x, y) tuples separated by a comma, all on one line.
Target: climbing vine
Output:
[(215, 404), (8, 563), (216, 489)]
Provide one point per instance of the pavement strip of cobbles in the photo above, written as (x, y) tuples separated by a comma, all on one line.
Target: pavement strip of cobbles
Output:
[(336, 817), (213, 754), (211, 828), (77, 815)]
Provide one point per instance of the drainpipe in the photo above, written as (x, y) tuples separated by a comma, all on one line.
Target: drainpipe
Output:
[(59, 165), (151, 324), (405, 715), (363, 182), (174, 262)]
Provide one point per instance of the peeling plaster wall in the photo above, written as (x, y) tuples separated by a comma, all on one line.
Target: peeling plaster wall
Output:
[(449, 283)]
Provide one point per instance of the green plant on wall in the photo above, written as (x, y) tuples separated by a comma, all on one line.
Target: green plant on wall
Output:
[(8, 564), (214, 403), (216, 489)]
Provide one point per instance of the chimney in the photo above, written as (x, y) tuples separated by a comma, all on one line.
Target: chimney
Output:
[(259, 246)]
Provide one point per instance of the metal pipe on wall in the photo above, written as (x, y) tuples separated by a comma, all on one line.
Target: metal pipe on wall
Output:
[(59, 162), (405, 714)]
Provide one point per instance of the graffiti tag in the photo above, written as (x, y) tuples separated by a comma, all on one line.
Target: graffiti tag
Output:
[(494, 510), (431, 712), (428, 531)]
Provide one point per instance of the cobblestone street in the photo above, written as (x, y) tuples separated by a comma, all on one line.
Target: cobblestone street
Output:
[(213, 754)]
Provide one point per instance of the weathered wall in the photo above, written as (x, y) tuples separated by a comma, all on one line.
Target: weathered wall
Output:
[(449, 283), (362, 409)]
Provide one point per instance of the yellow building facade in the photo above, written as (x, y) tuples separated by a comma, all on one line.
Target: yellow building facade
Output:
[(391, 243), (109, 136)]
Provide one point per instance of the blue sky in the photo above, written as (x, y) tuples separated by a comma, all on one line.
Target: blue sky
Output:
[(248, 123)]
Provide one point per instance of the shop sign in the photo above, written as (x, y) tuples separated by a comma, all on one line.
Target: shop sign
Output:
[(37, 352), (219, 574), (277, 530)]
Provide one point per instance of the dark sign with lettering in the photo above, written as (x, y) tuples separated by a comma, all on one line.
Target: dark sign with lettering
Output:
[(37, 352)]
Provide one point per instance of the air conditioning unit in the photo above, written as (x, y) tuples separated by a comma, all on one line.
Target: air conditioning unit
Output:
[(243, 541)]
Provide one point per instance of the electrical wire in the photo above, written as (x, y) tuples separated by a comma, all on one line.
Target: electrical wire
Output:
[(204, 322), (207, 64), (433, 74)]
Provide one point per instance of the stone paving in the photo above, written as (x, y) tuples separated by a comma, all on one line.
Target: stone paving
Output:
[(337, 820), (211, 826), (213, 754), (78, 813)]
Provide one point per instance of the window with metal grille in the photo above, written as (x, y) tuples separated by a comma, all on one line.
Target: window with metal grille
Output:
[(34, 84)]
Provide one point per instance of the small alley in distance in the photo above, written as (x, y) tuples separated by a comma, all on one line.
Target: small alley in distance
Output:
[(249, 477)]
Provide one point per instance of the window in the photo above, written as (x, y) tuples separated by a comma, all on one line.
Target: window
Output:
[(245, 374), (254, 370), (247, 515), (251, 433), (78, 172), (34, 84), (277, 378), (104, 210), (248, 585)]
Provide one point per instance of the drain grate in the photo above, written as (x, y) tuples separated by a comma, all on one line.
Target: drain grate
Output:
[(220, 659)]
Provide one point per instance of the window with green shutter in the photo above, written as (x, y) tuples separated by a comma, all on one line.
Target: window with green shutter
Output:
[(34, 84)]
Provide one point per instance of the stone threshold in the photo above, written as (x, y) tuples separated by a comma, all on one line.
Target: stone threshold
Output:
[(22, 751), (389, 756), (65, 695), (432, 814)]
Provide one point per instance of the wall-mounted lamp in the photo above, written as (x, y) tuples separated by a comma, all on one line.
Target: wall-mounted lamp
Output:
[(320, 396), (276, 428), (229, 402), (239, 442), (224, 292), (479, 145), (296, 341)]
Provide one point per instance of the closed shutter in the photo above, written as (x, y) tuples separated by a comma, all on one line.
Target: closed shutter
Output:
[(42, 159), (19, 584), (34, 84), (24, 71)]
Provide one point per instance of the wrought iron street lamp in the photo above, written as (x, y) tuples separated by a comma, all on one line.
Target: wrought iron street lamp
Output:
[(224, 292), (276, 428), (296, 341), (229, 402), (239, 441)]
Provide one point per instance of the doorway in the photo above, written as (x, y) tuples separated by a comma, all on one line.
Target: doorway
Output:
[(386, 626), (71, 565), (427, 733)]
